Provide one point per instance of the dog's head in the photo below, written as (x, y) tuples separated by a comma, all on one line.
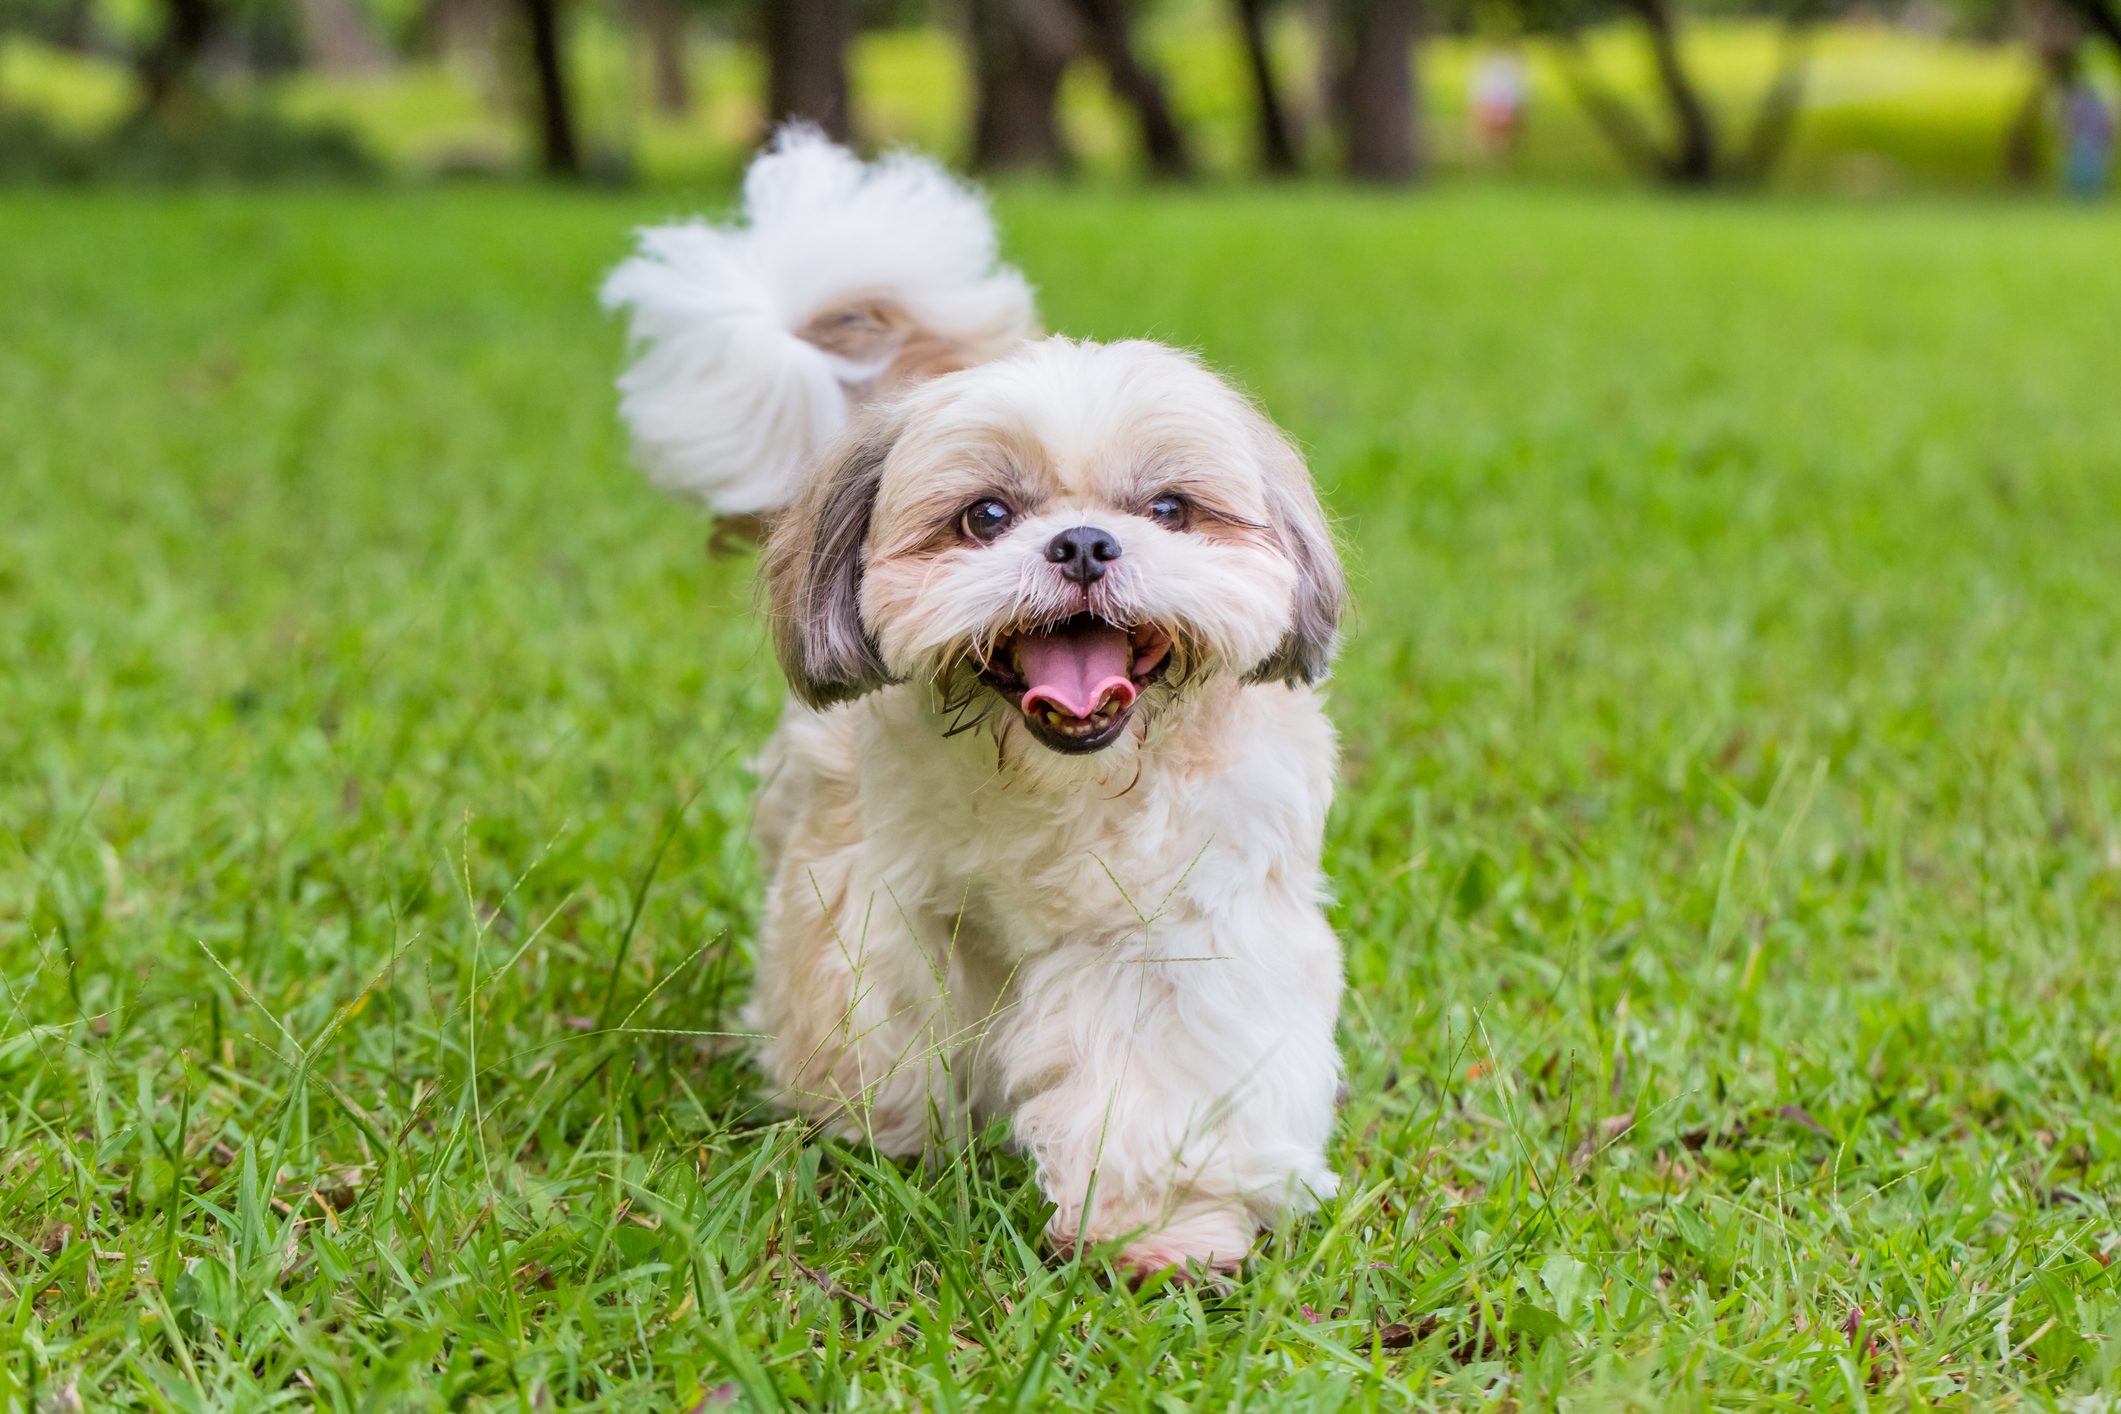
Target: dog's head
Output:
[(1076, 530)]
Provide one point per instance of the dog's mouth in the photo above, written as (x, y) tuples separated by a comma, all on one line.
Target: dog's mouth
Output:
[(1076, 681)]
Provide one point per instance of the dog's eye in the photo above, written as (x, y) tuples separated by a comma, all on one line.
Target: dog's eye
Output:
[(984, 520), (1169, 512)]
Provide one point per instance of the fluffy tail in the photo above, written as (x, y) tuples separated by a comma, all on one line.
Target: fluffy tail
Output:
[(755, 340)]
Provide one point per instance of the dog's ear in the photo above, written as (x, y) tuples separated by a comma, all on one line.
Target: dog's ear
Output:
[(1305, 654), (813, 569)]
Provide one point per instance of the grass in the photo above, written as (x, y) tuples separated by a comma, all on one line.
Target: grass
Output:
[(1727, 847), (1887, 110)]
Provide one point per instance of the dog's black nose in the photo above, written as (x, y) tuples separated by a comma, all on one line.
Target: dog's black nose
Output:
[(1082, 552)]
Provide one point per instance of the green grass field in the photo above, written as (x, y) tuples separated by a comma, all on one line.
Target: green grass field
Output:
[(1728, 849)]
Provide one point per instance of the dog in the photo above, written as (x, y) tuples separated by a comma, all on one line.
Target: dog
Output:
[(1041, 822)]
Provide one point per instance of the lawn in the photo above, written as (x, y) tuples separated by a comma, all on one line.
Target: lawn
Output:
[(1728, 849)]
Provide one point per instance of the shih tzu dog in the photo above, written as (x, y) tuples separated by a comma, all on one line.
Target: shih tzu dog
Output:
[(1042, 821)]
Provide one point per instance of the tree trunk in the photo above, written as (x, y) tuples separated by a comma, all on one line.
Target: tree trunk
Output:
[(1020, 50), (1277, 136), (1613, 118), (75, 26), (338, 38), (662, 26), (1374, 89), (1776, 121), (1108, 27), (558, 152), (169, 67), (2054, 34), (2022, 141), (1693, 159), (2101, 17), (806, 65)]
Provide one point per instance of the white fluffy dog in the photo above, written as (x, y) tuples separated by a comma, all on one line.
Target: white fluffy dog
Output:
[(1042, 822)]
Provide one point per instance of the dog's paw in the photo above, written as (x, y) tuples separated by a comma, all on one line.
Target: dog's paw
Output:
[(1204, 1241)]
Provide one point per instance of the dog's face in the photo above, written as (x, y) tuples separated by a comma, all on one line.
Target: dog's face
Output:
[(1076, 530)]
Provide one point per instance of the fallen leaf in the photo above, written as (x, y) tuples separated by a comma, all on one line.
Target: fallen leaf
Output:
[(1602, 1134), (340, 1189), (1396, 1336), (1477, 1344), (1800, 1116)]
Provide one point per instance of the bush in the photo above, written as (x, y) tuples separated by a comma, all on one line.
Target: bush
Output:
[(242, 146)]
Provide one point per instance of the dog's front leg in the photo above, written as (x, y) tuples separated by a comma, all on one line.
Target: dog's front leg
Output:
[(854, 1003), (1176, 1088)]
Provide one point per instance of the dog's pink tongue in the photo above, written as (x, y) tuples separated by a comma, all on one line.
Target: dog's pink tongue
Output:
[(1076, 669)]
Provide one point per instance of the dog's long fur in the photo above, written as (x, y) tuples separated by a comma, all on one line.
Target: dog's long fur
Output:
[(1122, 951)]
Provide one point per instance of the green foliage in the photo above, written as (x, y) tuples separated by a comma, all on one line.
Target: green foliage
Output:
[(1726, 847), (1887, 111), (253, 146)]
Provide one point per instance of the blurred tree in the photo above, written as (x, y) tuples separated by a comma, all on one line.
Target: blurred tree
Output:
[(662, 27), (1373, 88), (68, 24), (1275, 124), (2101, 17), (1108, 33), (168, 67), (455, 30), (2054, 36), (1697, 153), (339, 37), (1020, 50), (806, 64), (559, 153)]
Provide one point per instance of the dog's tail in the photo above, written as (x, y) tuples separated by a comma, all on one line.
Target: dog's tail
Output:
[(842, 281)]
